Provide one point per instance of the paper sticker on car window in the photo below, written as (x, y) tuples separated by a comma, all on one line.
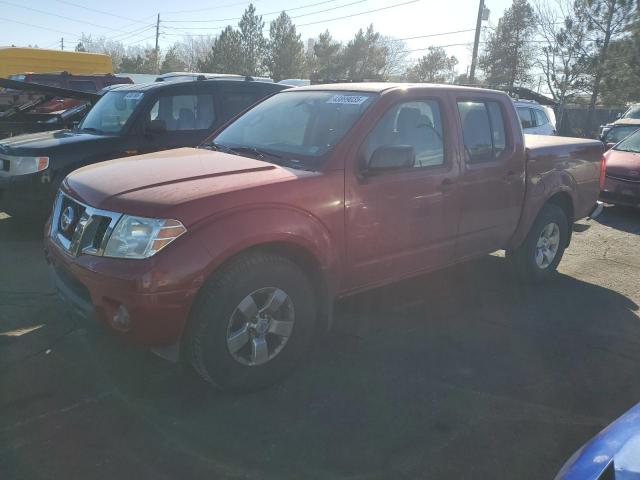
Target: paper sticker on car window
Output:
[(348, 99), (133, 96)]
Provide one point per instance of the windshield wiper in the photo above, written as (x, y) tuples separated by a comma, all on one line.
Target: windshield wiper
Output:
[(90, 129), (261, 154)]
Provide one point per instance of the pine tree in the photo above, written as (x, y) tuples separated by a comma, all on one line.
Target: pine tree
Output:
[(508, 54), (365, 57), (435, 67), (226, 54), (252, 41), (324, 59), (286, 56)]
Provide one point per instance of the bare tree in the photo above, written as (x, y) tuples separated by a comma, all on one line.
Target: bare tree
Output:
[(397, 57), (193, 50), (564, 56)]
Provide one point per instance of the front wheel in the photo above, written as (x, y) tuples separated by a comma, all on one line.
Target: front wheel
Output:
[(539, 255), (253, 323)]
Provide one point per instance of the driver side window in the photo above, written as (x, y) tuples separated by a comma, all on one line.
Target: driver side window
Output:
[(417, 124)]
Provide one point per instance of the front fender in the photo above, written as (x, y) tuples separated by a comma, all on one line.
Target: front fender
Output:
[(234, 231)]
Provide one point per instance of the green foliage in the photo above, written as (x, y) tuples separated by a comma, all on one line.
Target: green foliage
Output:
[(252, 41), (172, 61), (226, 54), (434, 67), (365, 57), (325, 59), (285, 50)]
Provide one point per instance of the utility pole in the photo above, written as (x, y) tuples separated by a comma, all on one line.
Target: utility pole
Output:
[(157, 47), (62, 43), (474, 57)]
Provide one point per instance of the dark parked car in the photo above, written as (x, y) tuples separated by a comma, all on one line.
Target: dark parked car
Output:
[(622, 180), (127, 120), (613, 454)]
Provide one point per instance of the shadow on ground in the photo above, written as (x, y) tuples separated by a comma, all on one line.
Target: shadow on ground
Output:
[(626, 219), (461, 374)]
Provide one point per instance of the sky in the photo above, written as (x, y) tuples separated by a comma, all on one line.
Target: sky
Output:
[(45, 22)]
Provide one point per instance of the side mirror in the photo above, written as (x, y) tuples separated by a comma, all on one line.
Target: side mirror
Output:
[(391, 157), (157, 126)]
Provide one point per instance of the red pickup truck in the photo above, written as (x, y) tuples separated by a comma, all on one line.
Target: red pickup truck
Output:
[(230, 255)]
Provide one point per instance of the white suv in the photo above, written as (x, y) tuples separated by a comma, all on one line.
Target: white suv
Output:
[(536, 119)]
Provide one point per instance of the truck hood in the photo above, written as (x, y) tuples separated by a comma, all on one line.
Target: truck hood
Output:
[(46, 143), (161, 184), (623, 164)]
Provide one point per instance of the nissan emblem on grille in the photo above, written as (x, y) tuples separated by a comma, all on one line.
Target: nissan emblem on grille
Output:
[(67, 218)]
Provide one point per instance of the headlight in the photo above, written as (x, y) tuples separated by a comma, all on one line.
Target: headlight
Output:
[(24, 165), (140, 237)]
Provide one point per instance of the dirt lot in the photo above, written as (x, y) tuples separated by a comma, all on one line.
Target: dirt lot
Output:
[(462, 374)]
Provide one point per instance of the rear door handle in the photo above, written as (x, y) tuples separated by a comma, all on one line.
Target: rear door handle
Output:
[(446, 185)]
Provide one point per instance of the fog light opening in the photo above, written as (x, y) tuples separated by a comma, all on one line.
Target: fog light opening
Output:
[(121, 319)]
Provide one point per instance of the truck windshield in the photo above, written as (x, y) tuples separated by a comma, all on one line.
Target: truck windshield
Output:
[(295, 127), (630, 144), (111, 112), (619, 133)]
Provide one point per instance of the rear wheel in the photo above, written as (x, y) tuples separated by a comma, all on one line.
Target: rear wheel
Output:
[(253, 324), (539, 255)]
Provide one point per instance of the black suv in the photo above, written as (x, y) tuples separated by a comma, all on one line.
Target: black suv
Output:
[(127, 120)]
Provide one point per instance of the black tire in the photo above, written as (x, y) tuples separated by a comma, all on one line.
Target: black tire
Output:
[(524, 257), (206, 341)]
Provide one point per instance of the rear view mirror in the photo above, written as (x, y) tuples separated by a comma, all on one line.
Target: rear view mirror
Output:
[(391, 157), (157, 126)]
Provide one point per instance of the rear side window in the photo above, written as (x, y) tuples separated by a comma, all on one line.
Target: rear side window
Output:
[(235, 101), (483, 130), (541, 118), (525, 117), (184, 112)]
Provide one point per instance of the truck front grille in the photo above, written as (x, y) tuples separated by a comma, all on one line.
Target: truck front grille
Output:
[(78, 228)]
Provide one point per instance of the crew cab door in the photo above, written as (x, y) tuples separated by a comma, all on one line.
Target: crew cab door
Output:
[(178, 118), (403, 221), (492, 181)]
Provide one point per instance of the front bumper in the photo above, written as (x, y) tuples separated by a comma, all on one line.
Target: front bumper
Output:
[(26, 195), (621, 192), (100, 287)]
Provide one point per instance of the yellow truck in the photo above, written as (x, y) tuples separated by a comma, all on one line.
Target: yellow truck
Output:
[(17, 60)]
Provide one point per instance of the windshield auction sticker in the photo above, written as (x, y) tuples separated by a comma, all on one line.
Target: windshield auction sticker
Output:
[(348, 99), (133, 96)]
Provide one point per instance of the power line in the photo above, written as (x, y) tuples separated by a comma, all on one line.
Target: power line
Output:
[(272, 13), (95, 10), (437, 34), (59, 16), (207, 8), (10, 20), (263, 15), (358, 14)]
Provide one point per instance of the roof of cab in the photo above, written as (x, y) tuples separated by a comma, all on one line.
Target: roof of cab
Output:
[(379, 87)]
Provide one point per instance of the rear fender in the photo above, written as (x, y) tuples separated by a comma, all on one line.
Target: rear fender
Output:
[(540, 190)]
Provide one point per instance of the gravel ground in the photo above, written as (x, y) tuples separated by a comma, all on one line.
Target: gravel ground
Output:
[(460, 374)]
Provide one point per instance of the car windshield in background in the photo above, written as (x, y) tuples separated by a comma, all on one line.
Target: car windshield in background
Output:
[(619, 133), (296, 127), (111, 112), (630, 144), (633, 112)]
